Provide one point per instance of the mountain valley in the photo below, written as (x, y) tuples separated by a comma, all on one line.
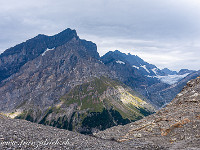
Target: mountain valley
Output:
[(118, 99)]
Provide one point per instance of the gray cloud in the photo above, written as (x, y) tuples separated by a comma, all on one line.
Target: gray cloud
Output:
[(165, 33)]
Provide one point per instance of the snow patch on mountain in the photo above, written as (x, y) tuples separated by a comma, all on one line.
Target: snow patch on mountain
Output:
[(150, 76), (144, 66), (101, 61), (154, 70), (120, 62), (47, 51), (136, 67)]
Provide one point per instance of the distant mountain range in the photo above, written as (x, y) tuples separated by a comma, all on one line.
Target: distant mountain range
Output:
[(158, 86), (62, 81)]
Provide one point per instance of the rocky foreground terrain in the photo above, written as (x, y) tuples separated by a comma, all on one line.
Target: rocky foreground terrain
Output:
[(21, 134), (177, 126)]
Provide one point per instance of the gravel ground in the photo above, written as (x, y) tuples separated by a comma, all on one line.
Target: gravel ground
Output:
[(21, 134)]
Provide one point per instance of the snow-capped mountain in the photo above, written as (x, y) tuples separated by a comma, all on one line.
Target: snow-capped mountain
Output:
[(146, 78), (137, 63), (149, 70)]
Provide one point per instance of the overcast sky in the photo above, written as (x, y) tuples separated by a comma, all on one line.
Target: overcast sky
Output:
[(162, 32)]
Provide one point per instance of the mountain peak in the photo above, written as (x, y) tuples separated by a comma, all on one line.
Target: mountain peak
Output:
[(184, 71), (40, 35), (168, 72), (32, 48), (67, 32), (117, 51)]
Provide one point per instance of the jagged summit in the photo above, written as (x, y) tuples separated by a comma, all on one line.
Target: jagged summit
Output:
[(62, 53), (169, 72), (67, 32), (184, 71), (134, 61), (61, 37), (12, 59)]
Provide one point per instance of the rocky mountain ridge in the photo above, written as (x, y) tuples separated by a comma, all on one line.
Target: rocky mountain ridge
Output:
[(56, 71), (15, 57)]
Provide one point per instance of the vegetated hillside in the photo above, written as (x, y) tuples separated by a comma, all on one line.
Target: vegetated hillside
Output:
[(89, 107), (177, 126)]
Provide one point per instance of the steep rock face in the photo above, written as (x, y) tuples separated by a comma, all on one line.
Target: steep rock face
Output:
[(50, 75), (14, 58), (174, 127), (131, 75)]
